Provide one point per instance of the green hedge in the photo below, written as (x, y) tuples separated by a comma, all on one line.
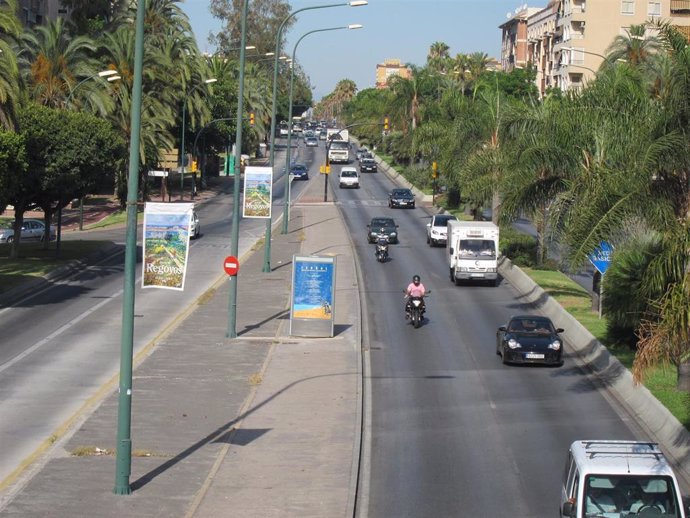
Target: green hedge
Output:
[(520, 248)]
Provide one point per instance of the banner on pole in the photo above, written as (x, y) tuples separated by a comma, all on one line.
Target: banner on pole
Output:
[(258, 192), (166, 244)]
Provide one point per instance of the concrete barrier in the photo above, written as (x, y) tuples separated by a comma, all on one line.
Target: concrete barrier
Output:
[(615, 378)]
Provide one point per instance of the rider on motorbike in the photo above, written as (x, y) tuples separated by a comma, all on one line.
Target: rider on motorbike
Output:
[(382, 246), (414, 289)]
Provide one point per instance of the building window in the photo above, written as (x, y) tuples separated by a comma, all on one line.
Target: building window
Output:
[(628, 7), (654, 9)]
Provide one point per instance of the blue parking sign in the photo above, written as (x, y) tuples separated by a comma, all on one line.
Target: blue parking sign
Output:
[(601, 257)]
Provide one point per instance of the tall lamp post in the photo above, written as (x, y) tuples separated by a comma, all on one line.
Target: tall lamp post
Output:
[(123, 452), (110, 75), (184, 115), (235, 229), (279, 37), (286, 207)]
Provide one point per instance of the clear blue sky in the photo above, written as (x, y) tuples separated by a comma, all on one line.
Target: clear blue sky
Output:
[(402, 29)]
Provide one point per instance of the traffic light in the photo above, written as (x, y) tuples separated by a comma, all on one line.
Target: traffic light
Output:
[(194, 166), (251, 118), (385, 123), (434, 169)]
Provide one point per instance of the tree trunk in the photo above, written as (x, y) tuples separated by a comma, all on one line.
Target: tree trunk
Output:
[(18, 223), (495, 205), (684, 377)]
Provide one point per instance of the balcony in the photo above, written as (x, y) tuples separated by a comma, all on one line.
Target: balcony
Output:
[(680, 6)]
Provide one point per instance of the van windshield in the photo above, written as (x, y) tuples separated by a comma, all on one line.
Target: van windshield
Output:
[(630, 495), (477, 249), (339, 144)]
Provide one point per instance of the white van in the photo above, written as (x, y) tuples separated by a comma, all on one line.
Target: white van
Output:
[(619, 479), (349, 177)]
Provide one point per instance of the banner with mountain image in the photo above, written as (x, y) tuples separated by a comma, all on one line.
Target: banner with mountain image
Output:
[(258, 192), (166, 244)]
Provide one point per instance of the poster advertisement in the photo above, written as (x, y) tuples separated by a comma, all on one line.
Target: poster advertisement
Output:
[(313, 292), (258, 192), (166, 244)]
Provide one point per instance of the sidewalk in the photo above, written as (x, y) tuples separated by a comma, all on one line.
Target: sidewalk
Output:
[(262, 425)]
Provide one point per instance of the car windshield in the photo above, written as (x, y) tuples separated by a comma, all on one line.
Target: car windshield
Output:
[(442, 221), (477, 249), (348, 173), (627, 495), (368, 161), (382, 222), (401, 192), (299, 168), (531, 325)]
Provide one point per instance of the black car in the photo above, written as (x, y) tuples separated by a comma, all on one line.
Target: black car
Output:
[(530, 339), (299, 172), (368, 165), (382, 227), (401, 198)]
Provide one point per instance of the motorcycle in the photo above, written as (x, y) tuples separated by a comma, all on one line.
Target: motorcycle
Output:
[(381, 252), (415, 309)]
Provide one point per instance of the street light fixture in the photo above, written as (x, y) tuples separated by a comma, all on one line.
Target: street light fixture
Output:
[(184, 114), (279, 36), (286, 207)]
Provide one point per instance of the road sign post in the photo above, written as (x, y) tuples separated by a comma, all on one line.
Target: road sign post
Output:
[(231, 265)]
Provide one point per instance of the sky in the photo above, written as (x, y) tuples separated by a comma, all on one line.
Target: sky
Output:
[(393, 29)]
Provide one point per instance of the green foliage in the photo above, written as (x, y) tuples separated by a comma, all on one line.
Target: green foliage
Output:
[(520, 248)]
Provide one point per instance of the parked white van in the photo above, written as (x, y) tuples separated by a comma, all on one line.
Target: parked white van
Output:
[(619, 479)]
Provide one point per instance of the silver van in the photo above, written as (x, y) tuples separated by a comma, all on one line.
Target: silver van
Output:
[(619, 479)]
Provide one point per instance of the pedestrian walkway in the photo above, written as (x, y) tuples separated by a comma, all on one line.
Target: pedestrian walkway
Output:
[(261, 425)]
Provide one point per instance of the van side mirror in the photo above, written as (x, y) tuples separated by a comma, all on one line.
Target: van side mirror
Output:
[(503, 328), (451, 251), (569, 509), (428, 225), (559, 330)]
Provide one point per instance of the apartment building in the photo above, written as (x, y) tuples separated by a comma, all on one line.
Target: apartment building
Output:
[(390, 67), (567, 40), (37, 12)]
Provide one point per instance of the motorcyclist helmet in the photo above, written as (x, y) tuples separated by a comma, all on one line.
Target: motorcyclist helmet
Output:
[(416, 279)]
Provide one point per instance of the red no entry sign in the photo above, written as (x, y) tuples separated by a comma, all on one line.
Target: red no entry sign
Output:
[(231, 265)]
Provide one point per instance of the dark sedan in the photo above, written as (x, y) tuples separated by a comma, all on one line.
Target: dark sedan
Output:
[(382, 227), (530, 339), (368, 165), (401, 198), (299, 172)]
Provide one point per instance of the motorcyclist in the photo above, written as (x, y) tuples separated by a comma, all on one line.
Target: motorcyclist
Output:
[(414, 289), (382, 245)]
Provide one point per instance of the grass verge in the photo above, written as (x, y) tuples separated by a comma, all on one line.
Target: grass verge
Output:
[(661, 381)]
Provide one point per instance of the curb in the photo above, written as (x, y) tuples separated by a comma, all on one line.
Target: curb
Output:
[(615, 378)]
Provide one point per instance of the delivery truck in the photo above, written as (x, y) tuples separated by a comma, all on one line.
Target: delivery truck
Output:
[(473, 251)]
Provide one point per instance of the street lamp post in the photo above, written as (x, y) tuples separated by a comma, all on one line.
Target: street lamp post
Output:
[(286, 207), (110, 75), (277, 57), (235, 230), (123, 453), (184, 115)]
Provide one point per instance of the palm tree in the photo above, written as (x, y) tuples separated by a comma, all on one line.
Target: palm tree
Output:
[(10, 31), (52, 62), (407, 100), (438, 57), (634, 46)]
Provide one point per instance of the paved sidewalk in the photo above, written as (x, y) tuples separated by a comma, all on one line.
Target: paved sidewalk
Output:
[(262, 425)]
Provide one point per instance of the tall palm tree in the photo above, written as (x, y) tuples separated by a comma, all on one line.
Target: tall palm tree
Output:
[(52, 62), (634, 46), (407, 98), (10, 31)]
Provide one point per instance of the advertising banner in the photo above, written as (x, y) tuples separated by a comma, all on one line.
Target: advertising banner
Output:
[(166, 244), (313, 293), (258, 192)]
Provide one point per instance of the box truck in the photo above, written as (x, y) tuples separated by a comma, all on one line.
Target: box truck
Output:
[(472, 251)]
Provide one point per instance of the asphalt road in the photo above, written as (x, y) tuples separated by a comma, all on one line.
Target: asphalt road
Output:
[(60, 346), (452, 431)]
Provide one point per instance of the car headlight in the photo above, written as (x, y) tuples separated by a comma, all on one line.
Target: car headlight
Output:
[(462, 269), (513, 343), (555, 345), (393, 234), (491, 270)]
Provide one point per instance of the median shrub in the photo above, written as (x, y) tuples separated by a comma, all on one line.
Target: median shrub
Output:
[(520, 248)]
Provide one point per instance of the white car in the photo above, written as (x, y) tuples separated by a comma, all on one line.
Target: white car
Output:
[(437, 229), (195, 226), (349, 177), (32, 229)]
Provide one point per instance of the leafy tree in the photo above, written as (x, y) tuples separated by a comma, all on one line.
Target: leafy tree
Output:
[(12, 165), (10, 30)]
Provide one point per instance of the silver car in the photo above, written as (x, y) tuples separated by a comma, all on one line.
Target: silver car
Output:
[(32, 230)]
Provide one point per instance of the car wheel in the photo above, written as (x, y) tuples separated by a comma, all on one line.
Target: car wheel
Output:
[(10, 239), (456, 280), (428, 241), (504, 360)]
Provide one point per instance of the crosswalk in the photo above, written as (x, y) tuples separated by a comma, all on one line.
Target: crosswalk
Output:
[(362, 203)]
